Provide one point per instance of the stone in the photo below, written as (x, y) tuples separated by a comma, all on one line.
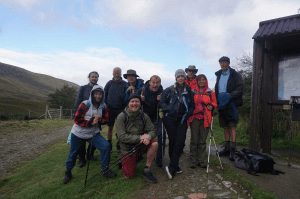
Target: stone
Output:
[(226, 184), (192, 189), (219, 176), (245, 191), (227, 193), (233, 190), (215, 188), (209, 182), (179, 197)]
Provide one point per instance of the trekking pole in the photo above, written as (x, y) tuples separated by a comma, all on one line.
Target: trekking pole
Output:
[(115, 163), (162, 144), (212, 136), (87, 168)]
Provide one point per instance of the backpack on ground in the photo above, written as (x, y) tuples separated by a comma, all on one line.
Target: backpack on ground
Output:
[(255, 162)]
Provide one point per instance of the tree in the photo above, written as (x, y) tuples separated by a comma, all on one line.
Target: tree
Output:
[(64, 97), (244, 67)]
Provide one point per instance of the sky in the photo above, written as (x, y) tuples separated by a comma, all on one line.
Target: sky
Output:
[(68, 39)]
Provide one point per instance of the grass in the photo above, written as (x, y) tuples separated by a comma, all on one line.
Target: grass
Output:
[(24, 125), (43, 176)]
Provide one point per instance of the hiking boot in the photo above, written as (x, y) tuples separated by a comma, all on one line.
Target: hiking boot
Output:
[(93, 158), (232, 152), (170, 176), (193, 165), (179, 171), (68, 176), (225, 151), (149, 176), (81, 163), (108, 173)]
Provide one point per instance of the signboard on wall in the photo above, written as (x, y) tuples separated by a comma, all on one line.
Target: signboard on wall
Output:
[(288, 77)]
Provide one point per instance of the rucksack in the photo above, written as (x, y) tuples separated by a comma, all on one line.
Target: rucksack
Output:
[(208, 91), (141, 118), (255, 162)]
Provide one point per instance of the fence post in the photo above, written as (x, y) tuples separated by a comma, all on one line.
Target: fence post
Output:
[(71, 113), (46, 113), (60, 112), (29, 114)]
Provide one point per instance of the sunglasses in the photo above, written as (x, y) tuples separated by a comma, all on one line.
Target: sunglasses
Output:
[(191, 71)]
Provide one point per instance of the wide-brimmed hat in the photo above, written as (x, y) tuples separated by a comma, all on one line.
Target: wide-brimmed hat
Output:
[(192, 68), (130, 72)]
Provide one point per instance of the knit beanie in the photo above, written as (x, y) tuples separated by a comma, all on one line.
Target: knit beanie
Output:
[(179, 72), (134, 95)]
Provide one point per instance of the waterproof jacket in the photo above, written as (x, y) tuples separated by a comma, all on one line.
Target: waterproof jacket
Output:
[(170, 104), (129, 135), (149, 105), (139, 84), (193, 84), (82, 94), (235, 86), (203, 97), (114, 91), (83, 127)]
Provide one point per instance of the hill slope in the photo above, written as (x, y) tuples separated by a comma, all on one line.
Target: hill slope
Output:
[(23, 84)]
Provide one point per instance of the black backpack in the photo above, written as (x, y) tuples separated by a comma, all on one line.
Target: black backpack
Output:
[(255, 162)]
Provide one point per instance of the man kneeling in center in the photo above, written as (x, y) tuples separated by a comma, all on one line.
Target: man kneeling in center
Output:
[(133, 128)]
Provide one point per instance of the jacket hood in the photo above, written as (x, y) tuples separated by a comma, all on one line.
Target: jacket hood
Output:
[(97, 88), (139, 83), (206, 85)]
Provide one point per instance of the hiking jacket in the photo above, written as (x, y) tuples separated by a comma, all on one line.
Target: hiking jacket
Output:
[(193, 84), (130, 135), (139, 84), (114, 97), (200, 98), (170, 103), (149, 105), (83, 127), (235, 86), (82, 94)]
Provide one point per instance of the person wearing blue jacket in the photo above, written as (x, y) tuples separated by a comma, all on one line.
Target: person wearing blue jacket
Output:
[(178, 105), (133, 83)]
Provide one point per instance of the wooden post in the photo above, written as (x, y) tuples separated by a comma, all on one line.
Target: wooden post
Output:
[(29, 114), (60, 112), (46, 113), (267, 91), (256, 95), (71, 114)]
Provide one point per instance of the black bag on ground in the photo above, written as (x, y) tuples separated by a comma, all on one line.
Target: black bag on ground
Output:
[(254, 162)]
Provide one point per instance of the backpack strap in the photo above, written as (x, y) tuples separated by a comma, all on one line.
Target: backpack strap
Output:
[(88, 104), (142, 117)]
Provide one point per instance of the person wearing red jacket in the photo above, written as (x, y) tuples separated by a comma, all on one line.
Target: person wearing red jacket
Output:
[(200, 121), (191, 79)]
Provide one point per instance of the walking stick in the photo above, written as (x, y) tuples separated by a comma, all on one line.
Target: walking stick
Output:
[(114, 164), (87, 168), (211, 136)]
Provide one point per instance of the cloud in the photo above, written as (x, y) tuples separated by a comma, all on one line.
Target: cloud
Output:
[(75, 66), (21, 4)]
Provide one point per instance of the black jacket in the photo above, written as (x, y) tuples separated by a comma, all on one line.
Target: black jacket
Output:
[(114, 97), (235, 86), (170, 104), (82, 94), (150, 104)]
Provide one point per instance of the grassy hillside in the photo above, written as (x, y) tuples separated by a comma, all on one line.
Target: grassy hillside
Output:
[(23, 84), (21, 90)]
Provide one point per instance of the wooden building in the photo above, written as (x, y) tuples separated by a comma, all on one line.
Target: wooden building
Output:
[(276, 55)]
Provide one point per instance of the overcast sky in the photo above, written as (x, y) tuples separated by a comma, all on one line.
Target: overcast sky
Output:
[(68, 39)]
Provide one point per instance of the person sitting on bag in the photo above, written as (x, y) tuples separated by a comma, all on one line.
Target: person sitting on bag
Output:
[(133, 128), (87, 126)]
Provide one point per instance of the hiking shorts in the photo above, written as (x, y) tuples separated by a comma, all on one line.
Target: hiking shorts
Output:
[(223, 122), (129, 164), (113, 114)]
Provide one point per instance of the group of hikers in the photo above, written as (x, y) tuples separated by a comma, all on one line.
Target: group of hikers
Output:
[(133, 108)]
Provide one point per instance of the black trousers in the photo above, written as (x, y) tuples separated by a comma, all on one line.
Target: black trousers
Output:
[(177, 134)]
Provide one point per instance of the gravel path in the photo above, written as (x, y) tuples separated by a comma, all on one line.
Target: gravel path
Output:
[(27, 145)]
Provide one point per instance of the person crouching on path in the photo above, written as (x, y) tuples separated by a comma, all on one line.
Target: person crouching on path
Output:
[(87, 126), (151, 94), (177, 102), (133, 128), (200, 121)]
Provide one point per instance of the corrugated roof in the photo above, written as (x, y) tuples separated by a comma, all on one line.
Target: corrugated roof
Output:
[(280, 26)]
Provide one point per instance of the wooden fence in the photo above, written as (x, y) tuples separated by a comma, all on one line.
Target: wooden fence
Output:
[(58, 113)]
